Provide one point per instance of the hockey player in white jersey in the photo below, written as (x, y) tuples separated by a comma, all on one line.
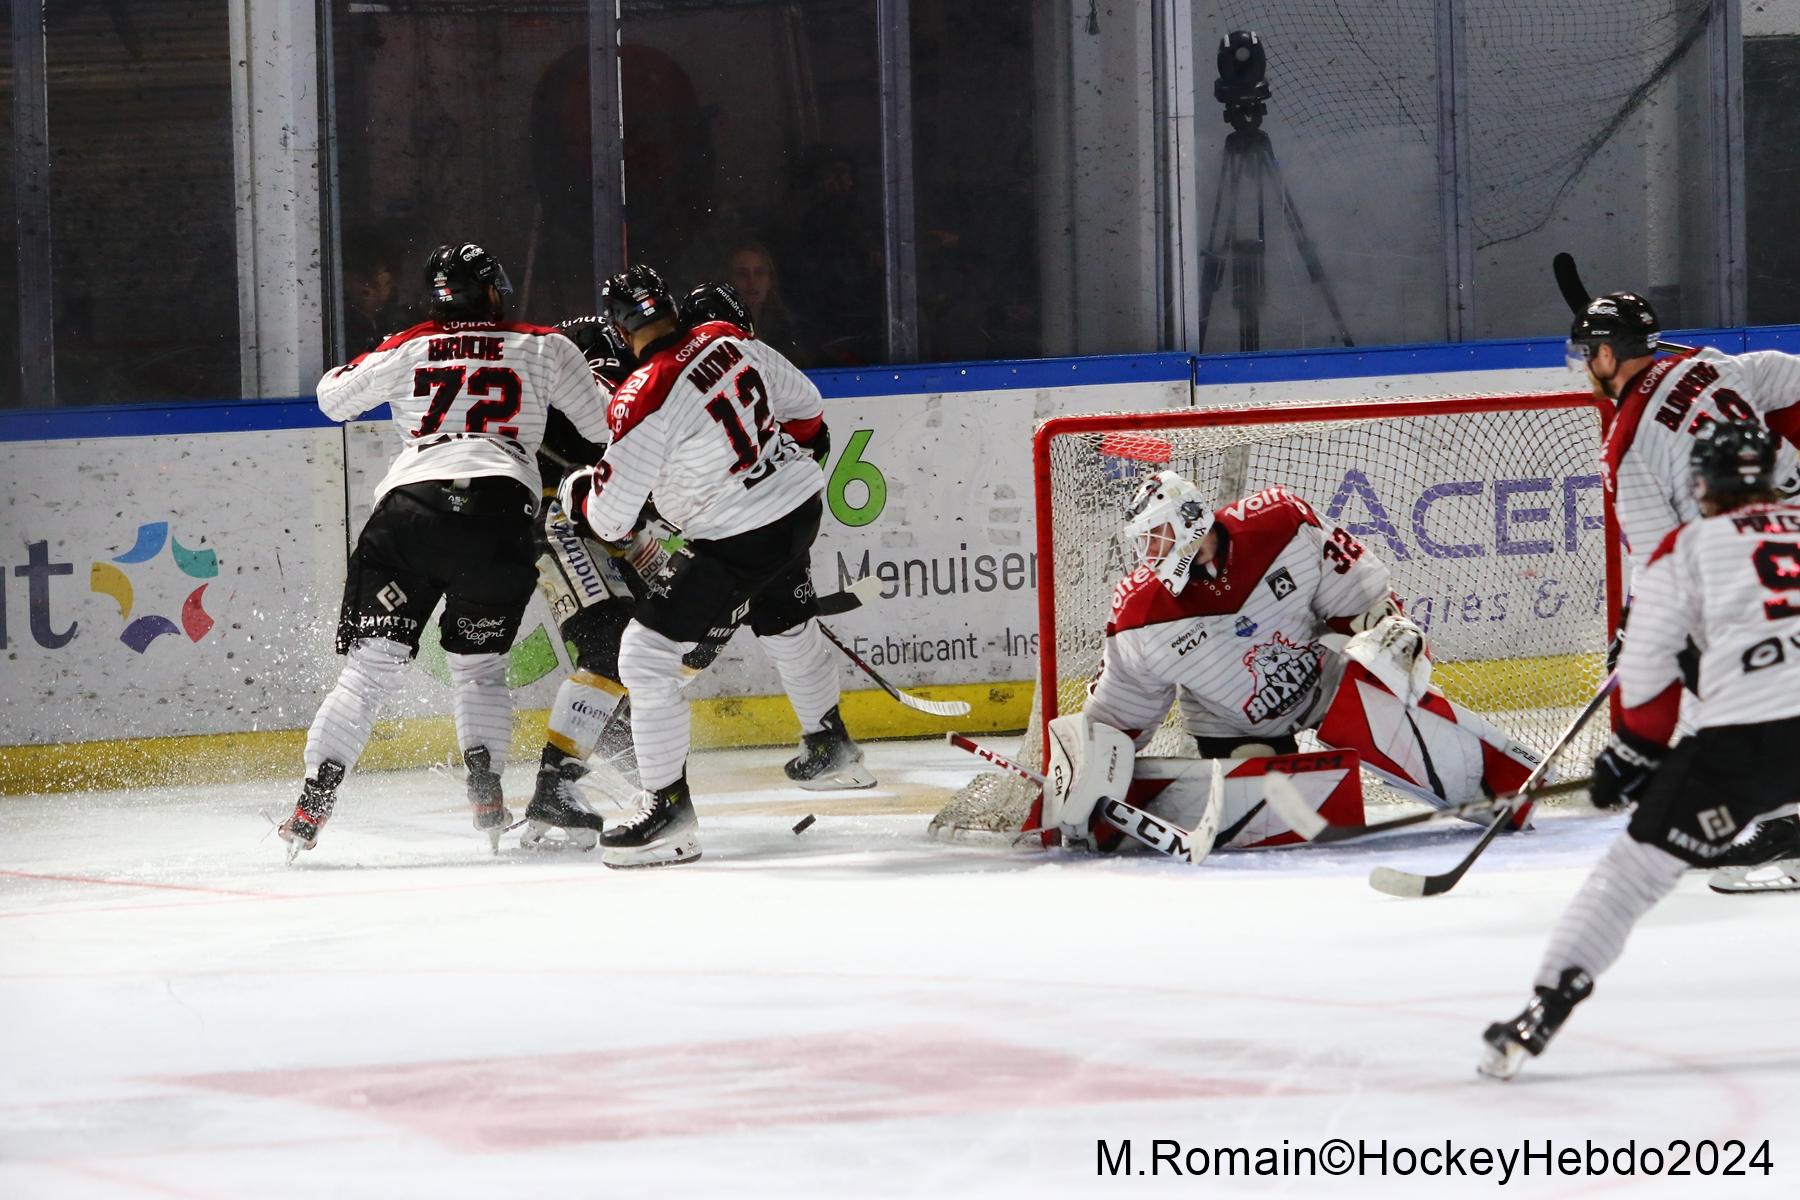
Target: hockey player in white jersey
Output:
[(1228, 616), (592, 591), (1728, 583), (721, 431), (469, 392), (1662, 405)]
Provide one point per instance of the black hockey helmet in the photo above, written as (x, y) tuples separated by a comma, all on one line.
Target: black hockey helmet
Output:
[(599, 343), (1623, 320), (716, 302), (636, 297), (1733, 457), (457, 279)]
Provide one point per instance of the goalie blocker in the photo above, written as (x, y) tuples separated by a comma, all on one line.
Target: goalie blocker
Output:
[(1091, 763)]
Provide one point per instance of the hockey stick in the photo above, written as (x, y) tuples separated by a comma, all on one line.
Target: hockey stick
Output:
[(1286, 800), (1575, 295), (1154, 832), (1406, 883), (937, 708)]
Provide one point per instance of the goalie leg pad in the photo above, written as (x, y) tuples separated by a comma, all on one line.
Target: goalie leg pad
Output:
[(1177, 789), (1089, 761), (1437, 751)]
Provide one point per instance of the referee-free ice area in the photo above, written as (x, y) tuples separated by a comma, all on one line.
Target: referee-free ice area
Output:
[(855, 1010)]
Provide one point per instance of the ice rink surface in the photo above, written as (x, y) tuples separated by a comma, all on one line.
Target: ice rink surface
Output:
[(853, 1011)]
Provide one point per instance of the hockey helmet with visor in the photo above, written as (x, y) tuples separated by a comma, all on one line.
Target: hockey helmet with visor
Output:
[(1623, 320)]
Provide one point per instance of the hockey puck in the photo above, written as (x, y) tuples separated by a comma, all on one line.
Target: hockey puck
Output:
[(804, 823)]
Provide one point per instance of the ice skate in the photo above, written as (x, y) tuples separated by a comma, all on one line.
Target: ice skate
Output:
[(829, 760), (1508, 1042), (489, 806), (1775, 838), (664, 832), (317, 797), (558, 804)]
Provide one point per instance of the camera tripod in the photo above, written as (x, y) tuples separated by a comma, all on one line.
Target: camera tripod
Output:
[(1248, 174)]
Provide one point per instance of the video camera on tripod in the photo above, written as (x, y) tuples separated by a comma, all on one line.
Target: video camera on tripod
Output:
[(1248, 170), (1241, 86)]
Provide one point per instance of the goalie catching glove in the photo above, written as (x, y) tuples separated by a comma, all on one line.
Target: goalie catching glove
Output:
[(1089, 762), (1393, 650)]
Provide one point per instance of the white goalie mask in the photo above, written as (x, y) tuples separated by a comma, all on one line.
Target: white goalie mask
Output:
[(1166, 520)]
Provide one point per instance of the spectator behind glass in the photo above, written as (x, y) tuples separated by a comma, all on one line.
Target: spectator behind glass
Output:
[(750, 268), (371, 311), (832, 248)]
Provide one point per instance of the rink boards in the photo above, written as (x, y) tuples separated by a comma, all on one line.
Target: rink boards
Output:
[(175, 573)]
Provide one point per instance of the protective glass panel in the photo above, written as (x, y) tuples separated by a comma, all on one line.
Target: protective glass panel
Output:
[(976, 190), (143, 208), (1589, 131), (9, 258), (459, 122), (753, 154), (1321, 219), (1771, 161)]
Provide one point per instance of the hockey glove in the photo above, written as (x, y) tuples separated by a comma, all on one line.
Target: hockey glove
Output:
[(817, 444), (651, 552), (1623, 769), (573, 495)]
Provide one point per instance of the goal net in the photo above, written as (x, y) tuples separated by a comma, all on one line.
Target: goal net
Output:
[(1489, 510)]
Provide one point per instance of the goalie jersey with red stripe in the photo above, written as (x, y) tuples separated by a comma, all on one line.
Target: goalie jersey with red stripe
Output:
[(469, 398), (1666, 405), (1239, 645), (703, 426), (1731, 585)]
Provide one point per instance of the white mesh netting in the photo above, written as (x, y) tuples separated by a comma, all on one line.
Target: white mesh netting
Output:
[(1492, 520)]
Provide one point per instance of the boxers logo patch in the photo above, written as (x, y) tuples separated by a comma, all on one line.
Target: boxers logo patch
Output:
[(1284, 674)]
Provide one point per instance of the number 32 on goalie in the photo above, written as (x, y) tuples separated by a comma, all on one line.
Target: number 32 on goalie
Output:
[(1343, 551)]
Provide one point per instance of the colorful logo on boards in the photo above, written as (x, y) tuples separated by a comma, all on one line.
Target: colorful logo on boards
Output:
[(108, 580)]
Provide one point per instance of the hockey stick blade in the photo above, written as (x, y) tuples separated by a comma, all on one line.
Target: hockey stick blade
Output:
[(1568, 281), (1405, 883), (937, 708), (861, 592), (1576, 295), (1154, 832), (1285, 799)]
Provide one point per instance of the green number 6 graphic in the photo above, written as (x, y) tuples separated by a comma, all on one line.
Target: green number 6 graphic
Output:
[(851, 469)]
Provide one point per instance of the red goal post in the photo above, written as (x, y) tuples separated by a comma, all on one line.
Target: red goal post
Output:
[(1490, 510)]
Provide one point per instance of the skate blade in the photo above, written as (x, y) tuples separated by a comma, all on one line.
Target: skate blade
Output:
[(663, 855), (1780, 876), (294, 847), (845, 779), (1500, 1062), (538, 837)]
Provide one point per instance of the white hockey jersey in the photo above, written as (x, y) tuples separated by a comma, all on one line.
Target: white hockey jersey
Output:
[(700, 427), (1647, 448), (469, 398), (1731, 584), (1240, 644)]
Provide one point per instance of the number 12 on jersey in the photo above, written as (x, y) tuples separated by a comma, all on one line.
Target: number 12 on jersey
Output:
[(752, 396)]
